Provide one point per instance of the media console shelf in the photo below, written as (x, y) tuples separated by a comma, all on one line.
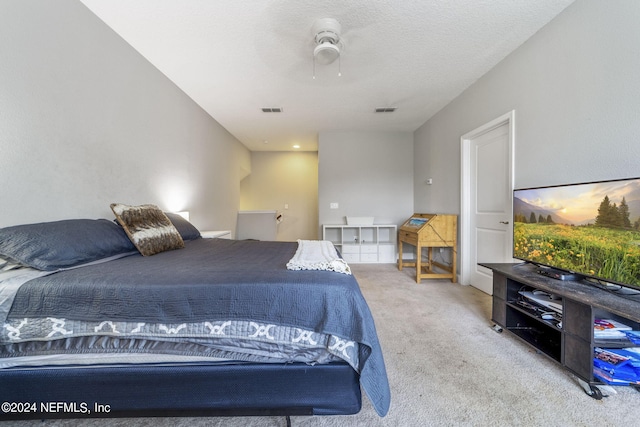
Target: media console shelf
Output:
[(566, 338)]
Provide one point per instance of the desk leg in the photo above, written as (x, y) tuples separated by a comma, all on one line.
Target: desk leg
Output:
[(399, 255), (454, 257), (418, 260)]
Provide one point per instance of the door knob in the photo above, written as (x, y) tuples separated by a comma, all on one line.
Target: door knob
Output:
[(504, 222)]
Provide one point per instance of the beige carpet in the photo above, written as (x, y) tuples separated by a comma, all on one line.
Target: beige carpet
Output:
[(446, 367)]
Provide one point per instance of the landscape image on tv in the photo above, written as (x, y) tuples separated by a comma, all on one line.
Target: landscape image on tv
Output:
[(592, 229)]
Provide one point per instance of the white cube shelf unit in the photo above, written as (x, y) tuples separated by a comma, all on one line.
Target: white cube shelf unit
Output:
[(374, 243)]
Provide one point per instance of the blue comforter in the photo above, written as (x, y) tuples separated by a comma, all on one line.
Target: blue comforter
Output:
[(215, 279)]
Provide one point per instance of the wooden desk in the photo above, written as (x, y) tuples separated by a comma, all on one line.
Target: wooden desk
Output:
[(430, 231)]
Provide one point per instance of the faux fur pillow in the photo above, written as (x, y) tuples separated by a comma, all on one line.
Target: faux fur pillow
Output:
[(148, 228)]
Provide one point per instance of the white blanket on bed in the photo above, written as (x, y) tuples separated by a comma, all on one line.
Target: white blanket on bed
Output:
[(317, 255)]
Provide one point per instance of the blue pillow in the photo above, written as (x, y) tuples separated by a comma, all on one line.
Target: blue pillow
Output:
[(52, 245), (185, 228)]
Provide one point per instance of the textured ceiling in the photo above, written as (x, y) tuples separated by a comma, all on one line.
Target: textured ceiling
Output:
[(235, 57)]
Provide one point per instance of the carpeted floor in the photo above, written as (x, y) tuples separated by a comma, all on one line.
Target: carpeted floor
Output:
[(446, 367)]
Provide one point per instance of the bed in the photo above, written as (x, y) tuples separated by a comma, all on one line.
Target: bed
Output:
[(93, 325)]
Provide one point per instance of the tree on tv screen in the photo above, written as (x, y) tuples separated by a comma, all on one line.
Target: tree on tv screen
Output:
[(612, 216)]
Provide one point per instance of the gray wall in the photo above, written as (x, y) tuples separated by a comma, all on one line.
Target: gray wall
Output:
[(575, 90), (367, 174), (284, 178), (86, 121)]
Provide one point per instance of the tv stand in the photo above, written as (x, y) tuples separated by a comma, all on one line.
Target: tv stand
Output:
[(568, 340)]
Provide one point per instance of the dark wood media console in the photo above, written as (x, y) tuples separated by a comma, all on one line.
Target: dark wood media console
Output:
[(567, 339)]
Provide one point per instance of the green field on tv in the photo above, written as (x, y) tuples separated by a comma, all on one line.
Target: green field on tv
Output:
[(607, 253)]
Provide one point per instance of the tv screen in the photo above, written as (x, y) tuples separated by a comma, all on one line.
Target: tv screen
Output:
[(592, 229)]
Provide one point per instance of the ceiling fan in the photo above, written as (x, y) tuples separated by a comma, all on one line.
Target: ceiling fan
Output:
[(326, 34)]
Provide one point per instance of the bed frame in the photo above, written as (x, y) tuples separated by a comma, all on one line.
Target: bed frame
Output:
[(175, 390)]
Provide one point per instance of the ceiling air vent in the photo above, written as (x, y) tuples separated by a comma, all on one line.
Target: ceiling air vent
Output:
[(385, 110), (272, 110)]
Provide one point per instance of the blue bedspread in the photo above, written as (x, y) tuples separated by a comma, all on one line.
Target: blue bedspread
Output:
[(211, 280)]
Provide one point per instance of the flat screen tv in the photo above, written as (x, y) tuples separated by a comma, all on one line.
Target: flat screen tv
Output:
[(592, 229)]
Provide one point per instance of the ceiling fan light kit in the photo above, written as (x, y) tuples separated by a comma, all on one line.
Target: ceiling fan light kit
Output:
[(326, 52), (326, 35)]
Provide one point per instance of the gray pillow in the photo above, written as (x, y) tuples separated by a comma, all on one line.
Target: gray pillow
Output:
[(185, 228), (59, 244)]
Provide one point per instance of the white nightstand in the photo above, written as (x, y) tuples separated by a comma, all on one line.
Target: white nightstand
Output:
[(220, 234)]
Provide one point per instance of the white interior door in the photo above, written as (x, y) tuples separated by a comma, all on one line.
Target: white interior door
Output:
[(487, 200)]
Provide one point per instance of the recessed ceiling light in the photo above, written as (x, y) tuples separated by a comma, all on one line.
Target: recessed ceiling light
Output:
[(296, 146)]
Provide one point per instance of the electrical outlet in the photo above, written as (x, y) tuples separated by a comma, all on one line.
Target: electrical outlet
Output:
[(333, 205)]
